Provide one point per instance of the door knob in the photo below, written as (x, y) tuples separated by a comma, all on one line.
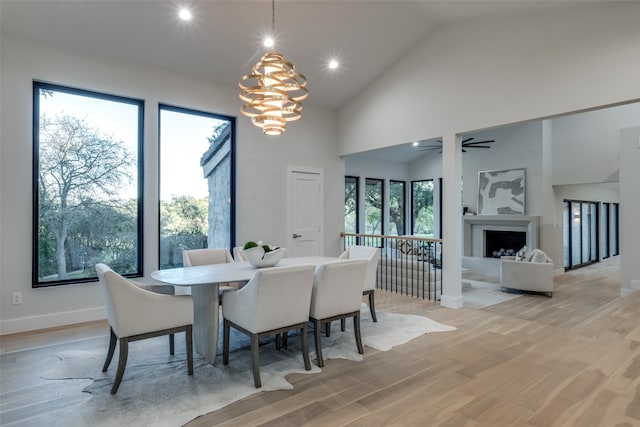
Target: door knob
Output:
[(295, 236)]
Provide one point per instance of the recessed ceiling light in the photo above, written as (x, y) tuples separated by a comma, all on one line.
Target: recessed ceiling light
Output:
[(333, 64), (185, 15), (268, 42), (416, 143)]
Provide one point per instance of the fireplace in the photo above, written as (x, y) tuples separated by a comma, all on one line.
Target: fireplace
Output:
[(477, 227), (498, 243)]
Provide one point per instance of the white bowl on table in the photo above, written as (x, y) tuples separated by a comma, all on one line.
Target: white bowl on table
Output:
[(259, 258)]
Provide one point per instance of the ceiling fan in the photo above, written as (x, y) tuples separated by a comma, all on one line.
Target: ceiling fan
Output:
[(466, 143)]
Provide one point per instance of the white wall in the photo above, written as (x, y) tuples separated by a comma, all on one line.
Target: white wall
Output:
[(629, 210), (261, 170), (374, 168), (514, 147), (532, 146), (592, 139), (486, 73), (429, 166)]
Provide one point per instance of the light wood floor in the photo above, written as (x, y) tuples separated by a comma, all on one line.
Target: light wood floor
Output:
[(570, 360)]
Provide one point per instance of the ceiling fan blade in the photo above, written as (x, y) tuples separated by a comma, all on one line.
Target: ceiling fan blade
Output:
[(468, 139), (464, 151), (479, 146), (481, 142)]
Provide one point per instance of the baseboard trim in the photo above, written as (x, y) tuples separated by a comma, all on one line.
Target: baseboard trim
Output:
[(32, 323), (451, 302)]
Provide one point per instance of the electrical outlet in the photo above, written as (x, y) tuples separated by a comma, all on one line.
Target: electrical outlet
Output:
[(16, 298)]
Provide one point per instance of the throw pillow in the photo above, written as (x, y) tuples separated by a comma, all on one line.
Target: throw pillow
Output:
[(538, 256), (423, 253), (405, 247), (522, 254)]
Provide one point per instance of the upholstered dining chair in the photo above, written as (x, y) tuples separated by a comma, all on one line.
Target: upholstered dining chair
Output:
[(135, 314), (238, 254), (337, 295), (372, 255), (194, 257), (162, 289), (274, 301)]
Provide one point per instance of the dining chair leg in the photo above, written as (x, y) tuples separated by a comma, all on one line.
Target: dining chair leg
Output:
[(278, 342), (171, 344), (225, 341), (255, 344), (318, 342), (188, 335), (304, 338), (372, 306), (122, 363), (343, 324), (285, 339), (327, 329), (356, 328), (112, 348)]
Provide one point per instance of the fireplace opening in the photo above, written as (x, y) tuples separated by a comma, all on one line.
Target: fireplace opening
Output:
[(498, 243)]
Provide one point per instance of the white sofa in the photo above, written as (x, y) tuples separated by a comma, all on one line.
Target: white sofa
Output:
[(526, 275)]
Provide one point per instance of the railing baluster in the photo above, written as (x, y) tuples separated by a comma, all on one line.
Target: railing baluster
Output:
[(411, 272)]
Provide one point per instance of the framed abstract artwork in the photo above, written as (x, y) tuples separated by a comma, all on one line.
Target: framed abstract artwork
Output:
[(501, 192)]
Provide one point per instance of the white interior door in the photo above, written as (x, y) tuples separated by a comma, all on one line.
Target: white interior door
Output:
[(306, 212)]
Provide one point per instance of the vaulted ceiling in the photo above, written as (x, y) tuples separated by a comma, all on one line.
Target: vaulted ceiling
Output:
[(224, 38)]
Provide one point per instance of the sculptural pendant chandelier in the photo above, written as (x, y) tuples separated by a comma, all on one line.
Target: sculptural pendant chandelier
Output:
[(273, 91)]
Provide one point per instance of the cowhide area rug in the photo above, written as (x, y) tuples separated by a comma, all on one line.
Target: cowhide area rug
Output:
[(156, 390)]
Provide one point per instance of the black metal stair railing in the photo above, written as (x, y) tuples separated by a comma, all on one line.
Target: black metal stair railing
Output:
[(408, 265)]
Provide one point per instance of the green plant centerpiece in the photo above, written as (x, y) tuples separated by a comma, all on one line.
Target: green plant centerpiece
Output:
[(260, 254)]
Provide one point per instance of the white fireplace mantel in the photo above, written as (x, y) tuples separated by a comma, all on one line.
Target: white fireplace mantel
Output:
[(475, 226)]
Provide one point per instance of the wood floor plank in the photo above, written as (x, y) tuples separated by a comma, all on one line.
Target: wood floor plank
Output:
[(533, 361)]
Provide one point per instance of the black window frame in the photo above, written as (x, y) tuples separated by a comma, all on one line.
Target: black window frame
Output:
[(140, 103), (615, 229), (568, 218), (382, 204), (233, 154), (356, 180), (606, 232), (413, 231), (404, 205)]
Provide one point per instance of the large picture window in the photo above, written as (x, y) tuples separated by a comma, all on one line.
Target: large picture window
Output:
[(422, 217), (197, 199), (351, 213), (87, 184), (580, 233), (397, 207), (373, 206)]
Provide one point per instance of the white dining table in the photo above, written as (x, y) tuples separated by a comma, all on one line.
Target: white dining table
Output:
[(204, 281)]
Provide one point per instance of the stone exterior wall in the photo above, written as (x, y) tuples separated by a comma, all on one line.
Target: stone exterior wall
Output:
[(216, 165)]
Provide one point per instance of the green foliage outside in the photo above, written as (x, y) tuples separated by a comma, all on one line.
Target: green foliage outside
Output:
[(82, 219), (183, 225), (373, 210), (423, 207), (396, 208), (350, 205)]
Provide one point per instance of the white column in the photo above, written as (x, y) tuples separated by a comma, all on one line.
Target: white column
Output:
[(452, 221)]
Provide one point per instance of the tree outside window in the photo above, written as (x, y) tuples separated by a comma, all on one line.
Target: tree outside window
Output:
[(397, 208), (422, 207), (87, 183), (351, 204), (373, 213), (196, 182)]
